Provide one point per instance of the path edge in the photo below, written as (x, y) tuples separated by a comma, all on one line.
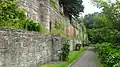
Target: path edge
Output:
[(76, 59)]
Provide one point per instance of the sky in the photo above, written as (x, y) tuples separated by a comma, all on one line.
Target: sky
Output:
[(89, 8)]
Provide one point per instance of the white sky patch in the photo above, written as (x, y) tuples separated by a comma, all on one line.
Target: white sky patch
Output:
[(89, 7)]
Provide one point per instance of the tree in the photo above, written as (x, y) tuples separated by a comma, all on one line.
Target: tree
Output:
[(109, 18), (111, 11), (72, 8), (99, 28), (107, 22)]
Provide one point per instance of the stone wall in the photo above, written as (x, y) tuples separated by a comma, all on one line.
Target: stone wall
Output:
[(27, 49), (48, 14), (43, 12), (37, 10)]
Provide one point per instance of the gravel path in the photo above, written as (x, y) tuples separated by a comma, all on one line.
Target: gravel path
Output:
[(88, 59)]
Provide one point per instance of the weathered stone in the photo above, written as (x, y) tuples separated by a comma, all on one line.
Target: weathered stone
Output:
[(28, 49), (41, 11)]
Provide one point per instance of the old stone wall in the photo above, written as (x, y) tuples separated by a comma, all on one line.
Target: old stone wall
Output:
[(43, 12), (48, 12), (27, 49), (37, 10)]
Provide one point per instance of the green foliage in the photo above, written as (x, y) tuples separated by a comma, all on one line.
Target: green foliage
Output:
[(102, 35), (59, 25), (117, 65), (59, 30), (109, 54), (52, 3), (72, 7), (104, 27), (109, 20), (100, 29), (13, 17), (65, 51), (97, 20), (111, 11), (31, 25)]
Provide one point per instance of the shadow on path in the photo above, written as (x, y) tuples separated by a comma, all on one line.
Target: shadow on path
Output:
[(88, 59)]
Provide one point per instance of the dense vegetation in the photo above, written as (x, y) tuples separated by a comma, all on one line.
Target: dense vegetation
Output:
[(109, 54), (104, 30), (13, 17)]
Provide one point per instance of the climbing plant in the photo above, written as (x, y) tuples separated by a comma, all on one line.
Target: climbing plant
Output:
[(65, 51)]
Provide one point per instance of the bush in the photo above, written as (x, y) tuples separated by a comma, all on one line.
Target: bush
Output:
[(65, 51), (108, 53), (30, 25), (117, 65), (13, 17)]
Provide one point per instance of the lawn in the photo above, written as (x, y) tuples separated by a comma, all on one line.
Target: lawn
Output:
[(74, 55)]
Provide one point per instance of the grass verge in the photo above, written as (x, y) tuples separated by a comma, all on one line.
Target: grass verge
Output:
[(74, 55), (101, 65)]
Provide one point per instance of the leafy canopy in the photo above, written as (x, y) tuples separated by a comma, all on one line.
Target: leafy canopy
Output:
[(104, 26), (72, 7)]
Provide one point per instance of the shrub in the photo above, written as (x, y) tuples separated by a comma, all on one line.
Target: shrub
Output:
[(13, 17), (65, 51), (108, 53), (117, 65), (30, 25)]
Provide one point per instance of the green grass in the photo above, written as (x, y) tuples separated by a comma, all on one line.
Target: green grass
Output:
[(74, 55)]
